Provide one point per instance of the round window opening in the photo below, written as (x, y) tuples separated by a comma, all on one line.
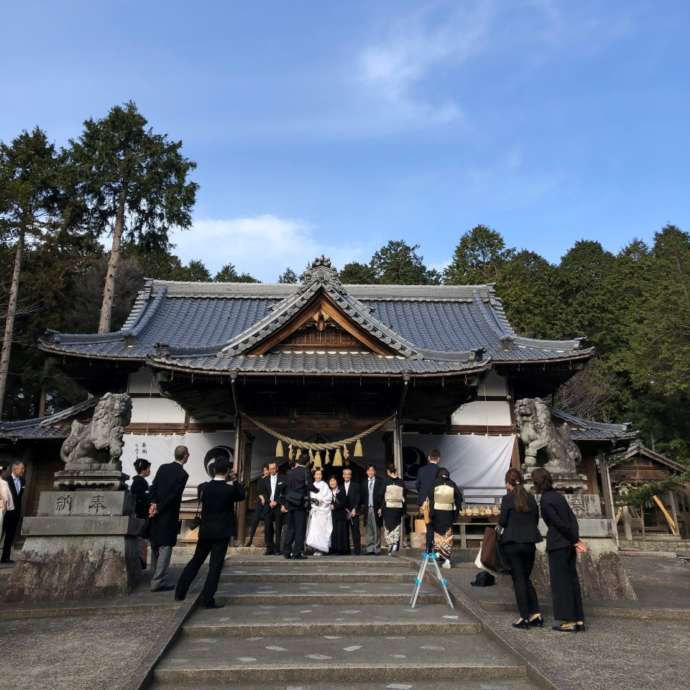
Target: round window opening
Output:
[(213, 455)]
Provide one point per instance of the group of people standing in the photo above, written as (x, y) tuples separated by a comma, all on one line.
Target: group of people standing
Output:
[(159, 505), (519, 520), (303, 510), (11, 498)]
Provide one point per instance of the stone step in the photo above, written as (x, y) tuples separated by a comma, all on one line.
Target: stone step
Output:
[(494, 684), (336, 562), (297, 592), (196, 660), (329, 619), (316, 575)]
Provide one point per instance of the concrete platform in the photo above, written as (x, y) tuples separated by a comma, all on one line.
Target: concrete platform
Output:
[(318, 658)]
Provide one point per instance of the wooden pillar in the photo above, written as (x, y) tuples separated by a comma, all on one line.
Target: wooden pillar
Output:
[(674, 510), (240, 470), (398, 460), (609, 506)]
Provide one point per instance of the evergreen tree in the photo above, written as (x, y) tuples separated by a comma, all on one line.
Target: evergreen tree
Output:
[(229, 274), (478, 258), (527, 285), (288, 276), (398, 263), (585, 292), (356, 273), (134, 184), (29, 203)]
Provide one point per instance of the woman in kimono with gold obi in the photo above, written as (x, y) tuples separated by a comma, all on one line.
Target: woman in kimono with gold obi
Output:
[(393, 509), (445, 502)]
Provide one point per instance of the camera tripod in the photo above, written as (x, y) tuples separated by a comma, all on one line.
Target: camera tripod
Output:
[(433, 557)]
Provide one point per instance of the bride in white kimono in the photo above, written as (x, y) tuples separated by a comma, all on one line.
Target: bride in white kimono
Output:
[(320, 521)]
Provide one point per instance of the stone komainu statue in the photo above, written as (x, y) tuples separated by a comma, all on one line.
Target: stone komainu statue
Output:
[(100, 440), (538, 432)]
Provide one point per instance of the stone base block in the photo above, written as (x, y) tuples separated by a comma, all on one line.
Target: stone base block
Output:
[(74, 567), (602, 575)]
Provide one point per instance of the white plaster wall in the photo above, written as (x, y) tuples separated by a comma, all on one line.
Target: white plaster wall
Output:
[(142, 381), (492, 385), (482, 413), (156, 411), (159, 449)]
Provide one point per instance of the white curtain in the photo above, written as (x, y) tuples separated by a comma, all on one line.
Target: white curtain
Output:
[(477, 464)]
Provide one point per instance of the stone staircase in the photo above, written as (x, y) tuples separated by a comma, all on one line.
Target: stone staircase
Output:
[(336, 623)]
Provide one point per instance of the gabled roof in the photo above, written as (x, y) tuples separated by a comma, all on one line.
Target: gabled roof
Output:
[(54, 426), (214, 326), (636, 449), (587, 430)]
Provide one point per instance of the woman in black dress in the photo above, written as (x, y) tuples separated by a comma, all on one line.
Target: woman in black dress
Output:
[(519, 520), (339, 546), (393, 508), (140, 491), (562, 544)]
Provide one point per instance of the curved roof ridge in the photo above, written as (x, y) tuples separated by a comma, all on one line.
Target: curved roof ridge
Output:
[(320, 277)]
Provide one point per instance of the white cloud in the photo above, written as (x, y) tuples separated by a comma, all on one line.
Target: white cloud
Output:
[(397, 64), (262, 245)]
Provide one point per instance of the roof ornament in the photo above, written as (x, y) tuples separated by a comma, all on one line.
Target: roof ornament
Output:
[(321, 270)]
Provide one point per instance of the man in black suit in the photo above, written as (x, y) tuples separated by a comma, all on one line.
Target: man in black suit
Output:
[(218, 498), (271, 490), (261, 508), (426, 477), (295, 505), (352, 504), (166, 497), (15, 480), (373, 490), (426, 480)]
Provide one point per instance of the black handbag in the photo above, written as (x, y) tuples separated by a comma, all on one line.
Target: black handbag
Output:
[(195, 522)]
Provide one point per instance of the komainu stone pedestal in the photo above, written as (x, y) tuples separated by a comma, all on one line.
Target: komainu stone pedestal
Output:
[(81, 544)]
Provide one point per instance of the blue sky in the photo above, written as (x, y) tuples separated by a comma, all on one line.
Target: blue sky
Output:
[(335, 126)]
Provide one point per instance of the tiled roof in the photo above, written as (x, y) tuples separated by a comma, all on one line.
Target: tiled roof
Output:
[(54, 426), (220, 320), (587, 430), (319, 363)]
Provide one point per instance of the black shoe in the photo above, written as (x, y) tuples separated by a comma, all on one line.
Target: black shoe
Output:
[(521, 624), (9, 561), (180, 598), (214, 605), (566, 627), (248, 544), (269, 552), (537, 622), (289, 556), (300, 557), (165, 588)]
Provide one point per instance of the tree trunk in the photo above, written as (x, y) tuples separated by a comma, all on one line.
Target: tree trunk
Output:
[(113, 262), (9, 320)]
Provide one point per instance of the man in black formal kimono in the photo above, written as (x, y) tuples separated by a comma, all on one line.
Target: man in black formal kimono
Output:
[(295, 497), (15, 480), (218, 498), (166, 497)]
